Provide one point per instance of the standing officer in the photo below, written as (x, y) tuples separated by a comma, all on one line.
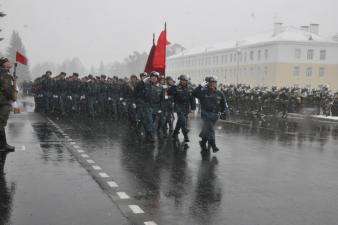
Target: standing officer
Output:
[(184, 102), (212, 103), (7, 96)]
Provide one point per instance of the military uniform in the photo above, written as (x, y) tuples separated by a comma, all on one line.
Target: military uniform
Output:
[(184, 102), (212, 103), (7, 96)]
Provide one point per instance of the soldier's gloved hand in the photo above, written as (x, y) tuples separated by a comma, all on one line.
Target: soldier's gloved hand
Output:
[(159, 111), (166, 97), (223, 116), (121, 99), (109, 98), (124, 103), (204, 83), (134, 105), (165, 86)]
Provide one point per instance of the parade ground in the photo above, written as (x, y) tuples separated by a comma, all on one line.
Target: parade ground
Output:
[(94, 171)]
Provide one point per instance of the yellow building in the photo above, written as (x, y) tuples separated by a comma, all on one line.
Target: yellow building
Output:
[(284, 56)]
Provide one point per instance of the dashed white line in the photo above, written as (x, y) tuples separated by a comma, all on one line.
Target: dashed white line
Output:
[(103, 175), (73, 143), (85, 156), (90, 161), (96, 168), (112, 184), (80, 151), (136, 209), (76, 146), (150, 223), (66, 136), (23, 148), (123, 195)]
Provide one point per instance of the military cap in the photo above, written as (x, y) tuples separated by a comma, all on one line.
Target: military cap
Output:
[(154, 73), (144, 74), (3, 60), (75, 74), (183, 77), (212, 79)]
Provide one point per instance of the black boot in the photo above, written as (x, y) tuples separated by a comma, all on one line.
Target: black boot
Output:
[(150, 137), (203, 144), (175, 135), (3, 141), (186, 138), (213, 146)]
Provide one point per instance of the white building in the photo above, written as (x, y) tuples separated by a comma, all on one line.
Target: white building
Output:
[(284, 56)]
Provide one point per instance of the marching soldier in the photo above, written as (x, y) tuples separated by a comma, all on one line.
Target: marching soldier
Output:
[(153, 100), (212, 103), (7, 96), (184, 102)]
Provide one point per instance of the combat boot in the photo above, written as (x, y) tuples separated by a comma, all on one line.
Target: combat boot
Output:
[(150, 137), (175, 135), (3, 141), (186, 137), (203, 144), (213, 146)]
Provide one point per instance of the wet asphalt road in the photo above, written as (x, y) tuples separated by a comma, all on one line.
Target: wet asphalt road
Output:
[(281, 172)]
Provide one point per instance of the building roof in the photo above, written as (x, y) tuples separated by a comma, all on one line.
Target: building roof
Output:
[(287, 34)]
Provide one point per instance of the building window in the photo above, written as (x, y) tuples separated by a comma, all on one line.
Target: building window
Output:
[(251, 55), (296, 71), (226, 59), (240, 56), (244, 56), (310, 54), (321, 72), (298, 53), (230, 58), (322, 54), (266, 54), (235, 57), (259, 55), (309, 71)]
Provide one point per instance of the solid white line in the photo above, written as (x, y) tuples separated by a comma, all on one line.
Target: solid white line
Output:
[(150, 223), (80, 151), (90, 161), (103, 175), (136, 209), (85, 156), (96, 168), (123, 195), (112, 184)]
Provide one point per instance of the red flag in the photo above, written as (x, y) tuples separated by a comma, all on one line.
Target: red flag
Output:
[(160, 53), (21, 58), (149, 65)]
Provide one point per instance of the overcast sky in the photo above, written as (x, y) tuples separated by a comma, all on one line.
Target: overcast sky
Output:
[(108, 30)]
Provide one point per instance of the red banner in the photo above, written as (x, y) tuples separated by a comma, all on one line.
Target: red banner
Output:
[(160, 53), (21, 58)]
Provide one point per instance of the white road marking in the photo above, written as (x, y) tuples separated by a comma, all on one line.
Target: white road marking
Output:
[(90, 161), (136, 209), (103, 175), (23, 148), (96, 168), (112, 184), (76, 146), (66, 136), (73, 143), (80, 151), (150, 223), (85, 156), (123, 195)]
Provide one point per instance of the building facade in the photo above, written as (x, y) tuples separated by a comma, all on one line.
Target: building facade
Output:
[(285, 56)]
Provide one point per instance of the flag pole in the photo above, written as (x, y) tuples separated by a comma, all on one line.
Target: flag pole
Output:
[(165, 50)]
